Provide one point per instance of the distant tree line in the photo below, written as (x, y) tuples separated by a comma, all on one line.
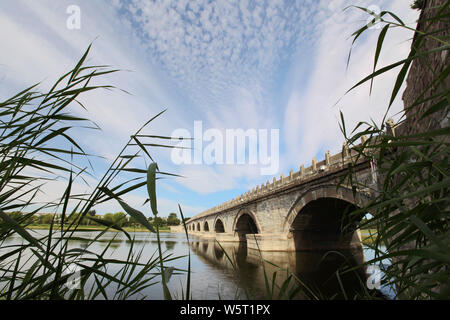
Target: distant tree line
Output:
[(119, 218)]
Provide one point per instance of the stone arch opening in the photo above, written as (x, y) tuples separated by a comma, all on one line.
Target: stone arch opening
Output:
[(245, 225), (198, 226), (206, 226), (327, 238), (324, 224), (219, 227)]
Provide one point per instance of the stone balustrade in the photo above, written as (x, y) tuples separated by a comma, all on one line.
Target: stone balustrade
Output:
[(330, 162)]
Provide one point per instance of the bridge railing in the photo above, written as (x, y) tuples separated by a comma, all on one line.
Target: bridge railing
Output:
[(335, 161)]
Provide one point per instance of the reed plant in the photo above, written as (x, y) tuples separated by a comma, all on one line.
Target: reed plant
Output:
[(410, 200), (37, 148), (409, 207)]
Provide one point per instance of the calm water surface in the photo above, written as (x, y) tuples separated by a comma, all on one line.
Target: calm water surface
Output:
[(223, 273)]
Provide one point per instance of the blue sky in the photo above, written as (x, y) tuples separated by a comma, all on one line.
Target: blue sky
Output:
[(230, 64)]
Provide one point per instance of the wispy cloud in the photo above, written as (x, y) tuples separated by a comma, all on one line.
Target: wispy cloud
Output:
[(213, 48), (312, 113), (272, 64), (41, 48)]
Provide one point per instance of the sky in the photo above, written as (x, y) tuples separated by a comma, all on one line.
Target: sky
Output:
[(259, 65)]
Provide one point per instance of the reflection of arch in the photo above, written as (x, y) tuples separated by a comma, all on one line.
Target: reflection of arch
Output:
[(219, 227), (205, 246), (206, 226), (198, 226), (327, 191), (218, 252), (318, 269), (170, 245)]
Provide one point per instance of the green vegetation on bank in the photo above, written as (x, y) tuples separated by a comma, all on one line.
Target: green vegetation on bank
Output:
[(120, 219), (368, 236), (94, 228)]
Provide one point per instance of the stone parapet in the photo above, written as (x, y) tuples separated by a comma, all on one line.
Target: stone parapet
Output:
[(330, 163)]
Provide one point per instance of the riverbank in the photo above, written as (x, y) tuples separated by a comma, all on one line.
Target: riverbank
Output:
[(368, 236), (92, 228)]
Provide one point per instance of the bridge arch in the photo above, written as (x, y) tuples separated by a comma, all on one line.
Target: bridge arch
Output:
[(219, 226), (198, 226), (250, 214), (324, 191), (245, 222), (317, 219), (206, 226)]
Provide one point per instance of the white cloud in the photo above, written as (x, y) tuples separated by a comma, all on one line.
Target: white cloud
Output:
[(206, 179), (311, 116), (213, 47), (43, 48)]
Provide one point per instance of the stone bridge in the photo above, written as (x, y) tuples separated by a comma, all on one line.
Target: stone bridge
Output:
[(302, 211)]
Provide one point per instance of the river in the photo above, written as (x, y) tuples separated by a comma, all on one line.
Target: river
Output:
[(227, 272)]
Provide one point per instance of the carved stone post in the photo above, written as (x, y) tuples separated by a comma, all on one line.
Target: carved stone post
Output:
[(327, 158)]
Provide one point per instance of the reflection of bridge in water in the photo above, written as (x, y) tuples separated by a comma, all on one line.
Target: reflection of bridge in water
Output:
[(314, 268)]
